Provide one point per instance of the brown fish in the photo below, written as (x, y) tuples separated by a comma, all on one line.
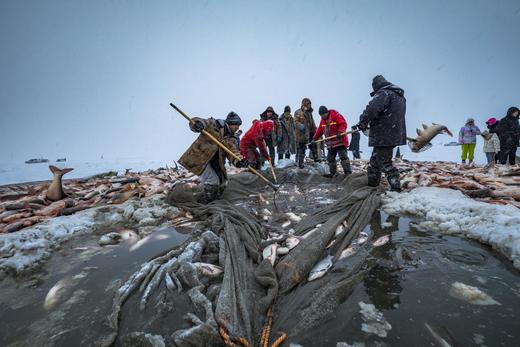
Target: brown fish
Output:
[(426, 135), (55, 190)]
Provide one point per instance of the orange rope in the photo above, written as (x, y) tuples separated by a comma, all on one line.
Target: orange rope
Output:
[(267, 329), (279, 340), (227, 339)]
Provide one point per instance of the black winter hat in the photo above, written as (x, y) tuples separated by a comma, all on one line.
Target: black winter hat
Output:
[(378, 82), (287, 109), (322, 110), (512, 110), (233, 119)]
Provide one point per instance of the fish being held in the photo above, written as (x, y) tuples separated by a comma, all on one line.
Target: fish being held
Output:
[(422, 142), (55, 190)]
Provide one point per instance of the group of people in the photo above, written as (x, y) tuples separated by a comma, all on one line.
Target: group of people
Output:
[(501, 139), (383, 120)]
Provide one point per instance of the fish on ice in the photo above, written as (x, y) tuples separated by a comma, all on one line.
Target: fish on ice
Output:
[(321, 268)]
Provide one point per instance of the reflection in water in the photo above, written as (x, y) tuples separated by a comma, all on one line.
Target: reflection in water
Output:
[(382, 283)]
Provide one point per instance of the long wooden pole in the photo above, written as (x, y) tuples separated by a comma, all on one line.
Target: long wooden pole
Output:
[(227, 150), (333, 136), (272, 170)]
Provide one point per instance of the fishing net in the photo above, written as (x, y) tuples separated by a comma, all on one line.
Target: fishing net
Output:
[(253, 295)]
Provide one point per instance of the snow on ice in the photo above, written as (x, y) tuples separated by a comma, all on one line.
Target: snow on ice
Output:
[(449, 211)]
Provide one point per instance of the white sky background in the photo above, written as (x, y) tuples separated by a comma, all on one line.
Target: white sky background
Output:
[(84, 79)]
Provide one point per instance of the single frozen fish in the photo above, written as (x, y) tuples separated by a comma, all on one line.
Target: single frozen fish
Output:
[(381, 241), (293, 217), (442, 342), (282, 250), (208, 270), (471, 294), (270, 253), (339, 230), (266, 212), (347, 252), (362, 239), (286, 224), (321, 268), (292, 242)]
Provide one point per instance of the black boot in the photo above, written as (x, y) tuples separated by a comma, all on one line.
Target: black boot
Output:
[(395, 183), (332, 169), (280, 156), (374, 177), (345, 164)]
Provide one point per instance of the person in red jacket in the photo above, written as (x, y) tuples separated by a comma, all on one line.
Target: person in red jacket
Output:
[(333, 124), (252, 144)]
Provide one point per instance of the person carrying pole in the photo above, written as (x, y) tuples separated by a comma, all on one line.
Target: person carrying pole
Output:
[(252, 145), (333, 125), (206, 159)]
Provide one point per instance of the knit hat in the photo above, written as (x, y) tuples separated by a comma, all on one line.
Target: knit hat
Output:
[(470, 120), (233, 119), (491, 121), (287, 109), (322, 110)]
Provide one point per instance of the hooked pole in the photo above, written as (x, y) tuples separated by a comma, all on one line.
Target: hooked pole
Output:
[(333, 136), (227, 150)]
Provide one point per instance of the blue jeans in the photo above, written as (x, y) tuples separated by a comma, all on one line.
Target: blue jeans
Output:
[(490, 157)]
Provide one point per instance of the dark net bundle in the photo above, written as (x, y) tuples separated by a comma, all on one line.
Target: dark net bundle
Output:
[(249, 285), (356, 208)]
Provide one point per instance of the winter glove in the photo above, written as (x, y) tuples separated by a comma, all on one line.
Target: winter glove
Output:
[(302, 128), (339, 137), (242, 163), (361, 126), (279, 139), (198, 126)]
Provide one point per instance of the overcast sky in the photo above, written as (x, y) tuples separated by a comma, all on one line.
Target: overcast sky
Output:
[(82, 79)]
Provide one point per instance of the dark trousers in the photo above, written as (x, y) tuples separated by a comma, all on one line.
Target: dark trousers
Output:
[(381, 161), (287, 155), (300, 153), (355, 154), (314, 149), (340, 151), (508, 153)]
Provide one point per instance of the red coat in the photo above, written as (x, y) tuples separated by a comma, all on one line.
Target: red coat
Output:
[(255, 138), (334, 125)]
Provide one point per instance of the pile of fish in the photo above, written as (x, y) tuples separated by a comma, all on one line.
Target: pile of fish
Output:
[(23, 205), (492, 184)]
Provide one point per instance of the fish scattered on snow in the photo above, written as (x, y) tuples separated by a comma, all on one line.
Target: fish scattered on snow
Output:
[(321, 268), (347, 252), (282, 250), (286, 224), (381, 241), (109, 239), (363, 237), (339, 230), (270, 253), (471, 294)]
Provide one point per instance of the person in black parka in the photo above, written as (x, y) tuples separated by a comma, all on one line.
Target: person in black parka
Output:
[(509, 134), (385, 116), (354, 143)]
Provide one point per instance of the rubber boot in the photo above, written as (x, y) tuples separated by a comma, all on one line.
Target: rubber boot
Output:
[(373, 177), (345, 164), (395, 183), (332, 170), (280, 156), (287, 155)]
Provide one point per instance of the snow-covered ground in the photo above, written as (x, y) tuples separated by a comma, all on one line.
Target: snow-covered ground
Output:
[(449, 211), (14, 172)]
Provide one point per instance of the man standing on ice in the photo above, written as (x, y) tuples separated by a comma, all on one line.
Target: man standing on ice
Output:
[(334, 124), (275, 137), (509, 134), (252, 145), (385, 116), (305, 127), (204, 158)]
